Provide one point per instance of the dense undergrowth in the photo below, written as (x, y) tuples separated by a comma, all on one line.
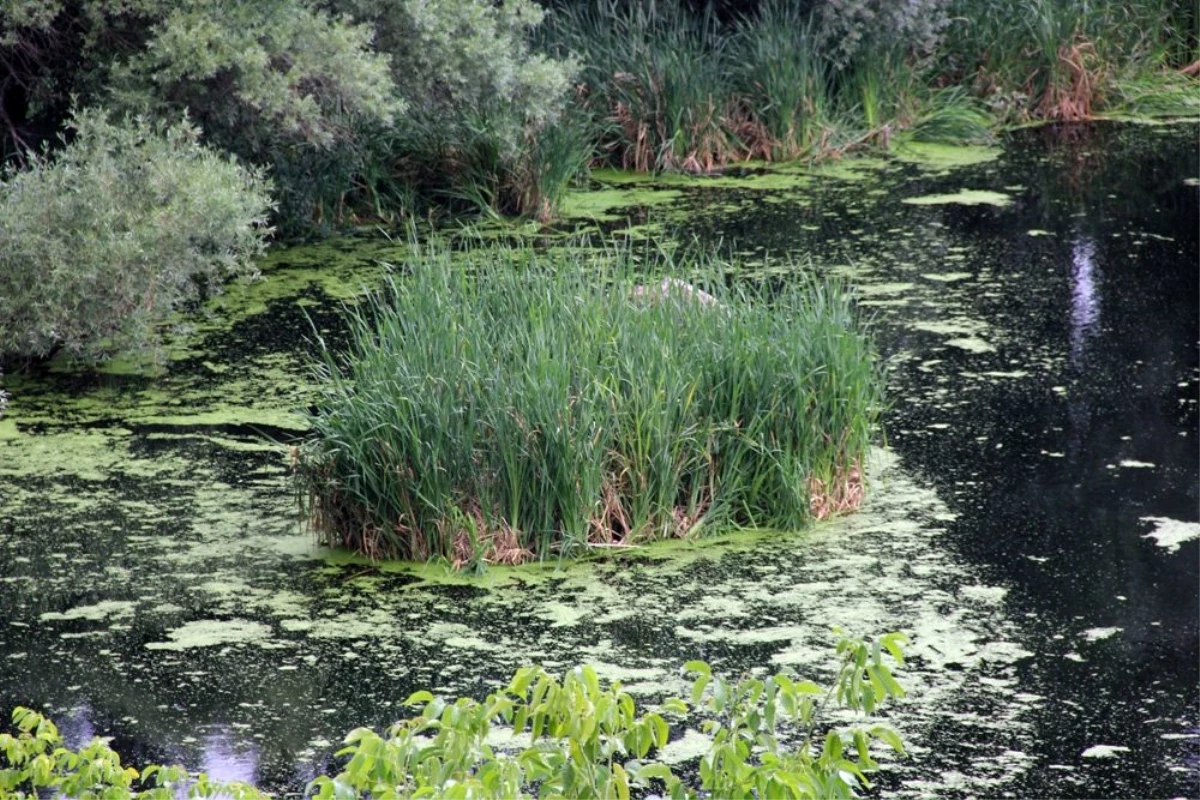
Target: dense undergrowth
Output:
[(377, 111), (545, 737), (498, 406), (668, 88), (374, 109)]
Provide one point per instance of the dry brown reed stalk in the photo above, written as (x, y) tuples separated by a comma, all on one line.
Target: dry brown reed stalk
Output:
[(504, 547), (494, 545), (639, 155), (752, 135), (610, 524), (842, 494), (370, 542), (1072, 99), (685, 519)]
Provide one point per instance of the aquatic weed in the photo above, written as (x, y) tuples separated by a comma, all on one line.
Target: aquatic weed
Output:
[(497, 406)]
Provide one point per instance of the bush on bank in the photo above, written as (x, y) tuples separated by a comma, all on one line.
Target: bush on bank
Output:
[(498, 406), (768, 739), (99, 241), (373, 109)]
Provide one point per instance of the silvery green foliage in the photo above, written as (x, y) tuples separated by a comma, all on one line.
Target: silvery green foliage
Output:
[(285, 64), (313, 88), (289, 63), (847, 28), (128, 219), (459, 62)]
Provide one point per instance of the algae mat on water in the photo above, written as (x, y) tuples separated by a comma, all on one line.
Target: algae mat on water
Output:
[(297, 645), (118, 538)]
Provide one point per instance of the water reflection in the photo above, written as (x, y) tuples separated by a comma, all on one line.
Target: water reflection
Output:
[(225, 760), (76, 726), (1085, 303)]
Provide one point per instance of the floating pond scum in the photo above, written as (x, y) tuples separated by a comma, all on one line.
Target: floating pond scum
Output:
[(1031, 524)]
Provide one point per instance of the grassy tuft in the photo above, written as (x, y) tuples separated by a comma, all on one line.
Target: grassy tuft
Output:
[(497, 407), (781, 80)]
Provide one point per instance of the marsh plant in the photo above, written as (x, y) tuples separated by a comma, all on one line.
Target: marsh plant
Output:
[(499, 406), (672, 88), (1067, 60), (548, 737)]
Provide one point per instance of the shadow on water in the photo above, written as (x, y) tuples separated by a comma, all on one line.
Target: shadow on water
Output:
[(1041, 334)]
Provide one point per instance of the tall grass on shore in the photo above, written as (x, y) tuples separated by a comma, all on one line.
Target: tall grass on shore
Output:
[(1065, 60), (656, 80), (668, 88), (782, 83), (492, 414)]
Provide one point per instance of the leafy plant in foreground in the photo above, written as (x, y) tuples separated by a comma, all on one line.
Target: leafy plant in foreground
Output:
[(545, 737), (576, 738), (35, 759)]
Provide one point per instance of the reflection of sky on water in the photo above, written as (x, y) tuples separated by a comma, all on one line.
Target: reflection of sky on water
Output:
[(1085, 302), (226, 761), (76, 726)]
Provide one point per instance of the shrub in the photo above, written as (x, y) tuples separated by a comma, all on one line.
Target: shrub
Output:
[(493, 414), (849, 29), (127, 220), (589, 741), (585, 740)]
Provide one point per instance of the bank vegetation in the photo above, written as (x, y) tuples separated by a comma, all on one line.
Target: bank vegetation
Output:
[(357, 111)]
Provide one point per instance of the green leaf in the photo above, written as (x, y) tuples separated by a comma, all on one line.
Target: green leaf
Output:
[(889, 737), (674, 705), (653, 769), (891, 642), (417, 698)]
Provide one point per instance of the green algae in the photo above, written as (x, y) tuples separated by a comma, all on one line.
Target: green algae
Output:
[(966, 197), (754, 176), (105, 609), (857, 169), (972, 344), (872, 289), (213, 633), (604, 205), (947, 277), (943, 158), (1170, 534)]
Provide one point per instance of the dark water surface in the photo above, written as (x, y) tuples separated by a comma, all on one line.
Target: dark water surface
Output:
[(1042, 339)]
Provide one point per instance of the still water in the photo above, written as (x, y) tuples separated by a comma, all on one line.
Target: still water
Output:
[(1032, 525)]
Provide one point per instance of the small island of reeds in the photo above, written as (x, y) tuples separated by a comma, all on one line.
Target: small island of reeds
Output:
[(495, 410)]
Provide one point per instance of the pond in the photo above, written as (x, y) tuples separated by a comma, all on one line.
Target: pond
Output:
[(1033, 519)]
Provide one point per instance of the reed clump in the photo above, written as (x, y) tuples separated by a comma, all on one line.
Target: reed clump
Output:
[(492, 414)]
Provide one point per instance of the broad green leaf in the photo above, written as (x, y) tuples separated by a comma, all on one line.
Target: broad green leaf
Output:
[(416, 698)]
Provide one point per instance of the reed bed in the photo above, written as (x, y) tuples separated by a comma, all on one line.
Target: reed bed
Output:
[(492, 414)]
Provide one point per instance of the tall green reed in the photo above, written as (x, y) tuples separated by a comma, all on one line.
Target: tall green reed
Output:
[(492, 412), (656, 78), (781, 81)]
